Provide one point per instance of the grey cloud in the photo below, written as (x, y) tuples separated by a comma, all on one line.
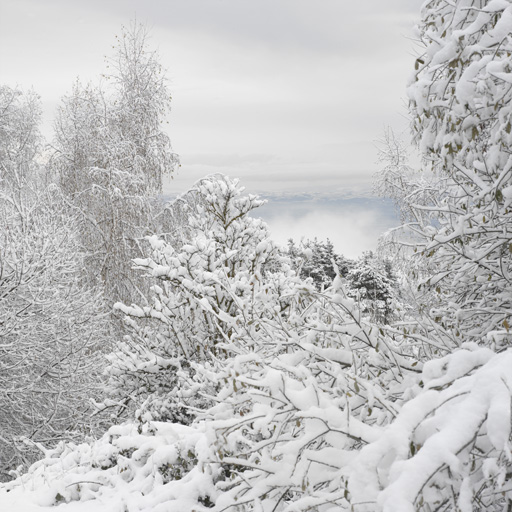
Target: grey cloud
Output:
[(328, 26), (286, 94), (229, 160)]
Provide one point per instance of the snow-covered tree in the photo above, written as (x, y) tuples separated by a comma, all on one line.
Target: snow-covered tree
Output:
[(111, 156), (295, 412), (371, 282), (461, 109), (317, 259), (140, 103), (319, 266), (219, 279), (458, 424), (52, 329), (19, 136), (282, 383)]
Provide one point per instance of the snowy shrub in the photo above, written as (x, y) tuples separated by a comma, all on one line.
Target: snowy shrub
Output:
[(299, 395), (227, 276), (305, 430), (298, 406), (450, 446), (125, 470)]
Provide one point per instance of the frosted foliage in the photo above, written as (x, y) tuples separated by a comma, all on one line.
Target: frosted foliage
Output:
[(461, 96), (296, 411), (318, 457), (151, 471), (460, 101), (294, 400), (207, 287), (247, 388), (51, 329), (303, 432), (111, 156), (19, 136), (372, 283), (449, 448)]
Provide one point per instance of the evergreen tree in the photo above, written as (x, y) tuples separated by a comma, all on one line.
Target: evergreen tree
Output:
[(317, 260), (372, 284)]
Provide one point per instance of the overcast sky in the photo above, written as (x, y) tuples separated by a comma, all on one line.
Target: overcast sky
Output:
[(288, 95)]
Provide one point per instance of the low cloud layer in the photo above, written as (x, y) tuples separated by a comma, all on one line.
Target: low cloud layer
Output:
[(352, 225)]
